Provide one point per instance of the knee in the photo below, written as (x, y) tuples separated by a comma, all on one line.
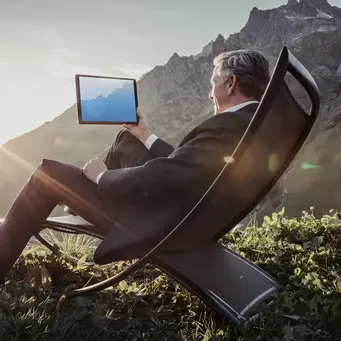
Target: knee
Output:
[(120, 136), (47, 168), (40, 173), (46, 165), (124, 136), (52, 173)]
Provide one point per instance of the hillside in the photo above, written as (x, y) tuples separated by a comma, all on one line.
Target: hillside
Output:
[(174, 97)]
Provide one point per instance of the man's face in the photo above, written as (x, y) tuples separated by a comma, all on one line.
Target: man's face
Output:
[(219, 93)]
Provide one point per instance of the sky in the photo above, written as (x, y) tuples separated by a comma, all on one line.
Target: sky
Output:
[(44, 43), (92, 87)]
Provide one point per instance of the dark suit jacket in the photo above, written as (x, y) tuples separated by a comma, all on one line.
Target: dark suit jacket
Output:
[(152, 198)]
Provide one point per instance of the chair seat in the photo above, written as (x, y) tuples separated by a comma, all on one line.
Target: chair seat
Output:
[(73, 224), (122, 246), (68, 221)]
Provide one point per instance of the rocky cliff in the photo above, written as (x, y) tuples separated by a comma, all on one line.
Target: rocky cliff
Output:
[(175, 98)]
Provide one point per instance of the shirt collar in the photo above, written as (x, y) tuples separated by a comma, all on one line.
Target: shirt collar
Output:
[(239, 106)]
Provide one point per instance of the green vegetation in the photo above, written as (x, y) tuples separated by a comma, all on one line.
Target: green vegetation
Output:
[(304, 255)]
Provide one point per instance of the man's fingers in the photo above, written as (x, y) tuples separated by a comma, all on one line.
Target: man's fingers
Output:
[(129, 126), (138, 112)]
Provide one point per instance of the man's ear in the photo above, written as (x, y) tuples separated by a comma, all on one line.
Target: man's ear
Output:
[(230, 82)]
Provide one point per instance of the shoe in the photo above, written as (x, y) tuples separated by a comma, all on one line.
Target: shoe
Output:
[(68, 210)]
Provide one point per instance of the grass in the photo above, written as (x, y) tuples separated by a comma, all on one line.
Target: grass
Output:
[(304, 255)]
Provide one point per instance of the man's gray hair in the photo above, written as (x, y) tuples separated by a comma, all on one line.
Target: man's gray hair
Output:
[(249, 66)]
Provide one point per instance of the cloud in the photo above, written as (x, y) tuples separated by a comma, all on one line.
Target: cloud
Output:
[(130, 70), (65, 63), (125, 36), (19, 7), (67, 71), (4, 64), (65, 54), (148, 8), (48, 36)]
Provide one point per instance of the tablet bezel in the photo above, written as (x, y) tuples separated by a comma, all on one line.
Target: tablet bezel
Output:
[(79, 107)]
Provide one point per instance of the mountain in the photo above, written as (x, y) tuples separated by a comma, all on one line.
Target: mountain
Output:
[(174, 97)]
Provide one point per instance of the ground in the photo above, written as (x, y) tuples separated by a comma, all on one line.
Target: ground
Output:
[(304, 255)]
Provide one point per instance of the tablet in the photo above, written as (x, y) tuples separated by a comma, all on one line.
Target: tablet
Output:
[(106, 100)]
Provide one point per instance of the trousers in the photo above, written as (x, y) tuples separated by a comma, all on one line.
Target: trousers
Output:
[(53, 183)]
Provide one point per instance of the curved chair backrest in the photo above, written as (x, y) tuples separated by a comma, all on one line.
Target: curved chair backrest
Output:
[(276, 133)]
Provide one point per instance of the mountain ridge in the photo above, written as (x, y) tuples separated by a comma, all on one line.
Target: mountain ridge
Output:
[(174, 98)]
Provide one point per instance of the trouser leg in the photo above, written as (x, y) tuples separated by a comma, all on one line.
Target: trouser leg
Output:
[(54, 182), (126, 151), (51, 183)]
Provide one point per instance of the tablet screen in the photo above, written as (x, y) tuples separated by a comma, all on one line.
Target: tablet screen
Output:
[(106, 100)]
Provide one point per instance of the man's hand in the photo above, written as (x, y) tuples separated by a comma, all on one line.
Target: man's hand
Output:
[(93, 168), (141, 130)]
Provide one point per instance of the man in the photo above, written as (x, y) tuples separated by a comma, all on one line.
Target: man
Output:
[(143, 184)]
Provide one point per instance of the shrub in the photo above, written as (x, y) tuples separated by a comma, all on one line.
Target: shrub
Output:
[(304, 255)]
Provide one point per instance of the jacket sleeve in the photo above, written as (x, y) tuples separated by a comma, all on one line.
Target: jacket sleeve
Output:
[(161, 148), (198, 161)]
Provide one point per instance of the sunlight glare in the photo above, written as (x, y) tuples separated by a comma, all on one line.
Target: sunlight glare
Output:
[(307, 165), (63, 189), (228, 159), (273, 162)]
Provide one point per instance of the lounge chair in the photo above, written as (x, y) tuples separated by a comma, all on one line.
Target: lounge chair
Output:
[(190, 253)]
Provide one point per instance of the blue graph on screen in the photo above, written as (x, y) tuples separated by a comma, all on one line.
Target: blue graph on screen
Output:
[(108, 100)]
